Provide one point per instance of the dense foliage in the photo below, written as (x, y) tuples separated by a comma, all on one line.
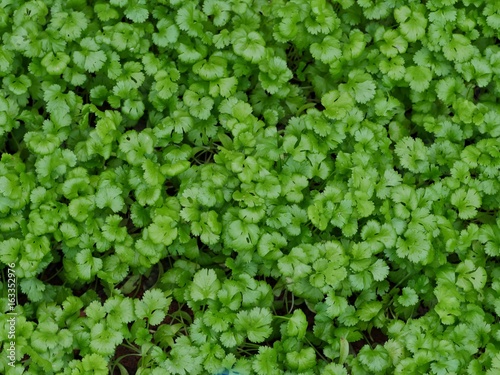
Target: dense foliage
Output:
[(267, 187)]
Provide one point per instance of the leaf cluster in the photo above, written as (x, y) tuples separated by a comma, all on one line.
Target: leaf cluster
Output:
[(259, 186)]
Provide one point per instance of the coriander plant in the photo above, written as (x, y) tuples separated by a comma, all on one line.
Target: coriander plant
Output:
[(250, 187)]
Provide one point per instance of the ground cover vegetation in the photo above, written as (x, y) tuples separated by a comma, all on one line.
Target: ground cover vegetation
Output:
[(263, 187)]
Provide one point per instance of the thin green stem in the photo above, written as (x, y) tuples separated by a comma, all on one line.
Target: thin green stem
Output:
[(130, 346), (316, 349), (293, 303), (138, 287), (281, 317), (119, 359), (305, 107)]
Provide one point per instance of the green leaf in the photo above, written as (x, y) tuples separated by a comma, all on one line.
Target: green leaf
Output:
[(362, 86), (212, 69), (94, 363), (413, 154), (379, 270), (415, 246), (205, 285), (266, 361), (409, 297), (109, 195), (106, 12), (459, 48), (224, 87), (136, 146), (10, 250), (369, 310), (104, 340), (168, 32), (17, 85), (163, 230), (45, 337), (81, 207), (249, 45), (165, 84), (295, 264), (355, 45), (137, 12), (301, 360), (274, 74), (255, 323), (327, 51), (297, 325), (69, 25), (112, 229), (471, 276), (177, 364), (120, 311), (467, 202), (393, 44), (332, 368), (376, 360), (199, 106), (337, 104), (240, 235), (269, 187), (90, 58), (190, 19), (418, 77), (175, 169), (6, 59), (412, 22), (87, 265), (153, 306), (209, 228), (335, 305), (33, 288)]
